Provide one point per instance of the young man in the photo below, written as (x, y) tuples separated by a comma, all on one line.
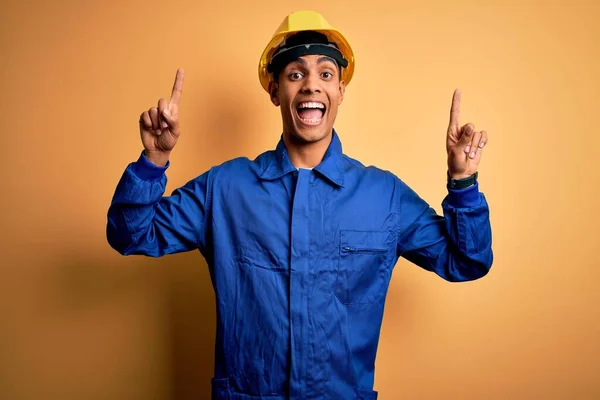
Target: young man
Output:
[(301, 242)]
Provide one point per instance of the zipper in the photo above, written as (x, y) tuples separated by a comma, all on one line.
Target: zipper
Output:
[(352, 249)]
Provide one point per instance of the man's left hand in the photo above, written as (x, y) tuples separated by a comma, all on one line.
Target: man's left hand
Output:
[(463, 144)]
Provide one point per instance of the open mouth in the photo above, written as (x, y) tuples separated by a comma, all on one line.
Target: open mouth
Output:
[(311, 112)]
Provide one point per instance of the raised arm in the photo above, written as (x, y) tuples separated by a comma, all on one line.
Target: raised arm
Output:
[(140, 219), (457, 246)]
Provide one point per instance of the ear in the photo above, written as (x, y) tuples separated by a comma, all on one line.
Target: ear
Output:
[(342, 89), (274, 93)]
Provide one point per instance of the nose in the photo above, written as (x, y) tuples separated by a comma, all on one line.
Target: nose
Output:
[(311, 84)]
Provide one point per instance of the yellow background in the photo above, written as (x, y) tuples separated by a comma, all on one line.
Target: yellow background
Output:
[(78, 321)]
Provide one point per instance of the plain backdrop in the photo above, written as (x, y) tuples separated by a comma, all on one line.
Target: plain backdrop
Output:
[(78, 321)]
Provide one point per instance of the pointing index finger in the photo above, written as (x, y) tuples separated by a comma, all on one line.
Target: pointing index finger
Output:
[(177, 87), (455, 109)]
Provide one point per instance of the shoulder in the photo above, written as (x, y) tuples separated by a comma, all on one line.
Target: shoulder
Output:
[(377, 180), (242, 167), (356, 169)]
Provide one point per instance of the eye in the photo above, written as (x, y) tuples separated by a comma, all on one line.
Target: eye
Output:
[(294, 76), (327, 75)]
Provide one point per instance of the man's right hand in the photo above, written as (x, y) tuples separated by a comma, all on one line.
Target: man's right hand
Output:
[(159, 126)]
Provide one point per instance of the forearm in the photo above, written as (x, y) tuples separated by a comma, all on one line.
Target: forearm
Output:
[(457, 246), (467, 222), (142, 221), (469, 254), (132, 209)]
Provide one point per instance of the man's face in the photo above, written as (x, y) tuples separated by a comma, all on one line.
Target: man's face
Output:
[(309, 92)]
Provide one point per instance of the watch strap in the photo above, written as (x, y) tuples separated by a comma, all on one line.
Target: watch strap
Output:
[(464, 183)]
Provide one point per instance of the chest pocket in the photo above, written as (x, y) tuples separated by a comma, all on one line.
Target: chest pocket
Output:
[(363, 269)]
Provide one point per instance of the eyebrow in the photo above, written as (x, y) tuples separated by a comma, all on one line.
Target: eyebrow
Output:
[(320, 60), (326, 59)]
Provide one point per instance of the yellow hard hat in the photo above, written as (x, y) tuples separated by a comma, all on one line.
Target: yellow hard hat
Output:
[(304, 21)]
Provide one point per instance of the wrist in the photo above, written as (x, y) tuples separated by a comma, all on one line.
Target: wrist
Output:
[(460, 181), (458, 175), (158, 158)]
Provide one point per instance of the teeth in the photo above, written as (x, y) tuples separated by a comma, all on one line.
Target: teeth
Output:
[(312, 120), (312, 104)]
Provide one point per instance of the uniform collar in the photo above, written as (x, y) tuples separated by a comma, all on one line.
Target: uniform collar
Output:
[(330, 168)]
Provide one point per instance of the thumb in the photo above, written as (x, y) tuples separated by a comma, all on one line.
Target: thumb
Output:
[(466, 134), (170, 115)]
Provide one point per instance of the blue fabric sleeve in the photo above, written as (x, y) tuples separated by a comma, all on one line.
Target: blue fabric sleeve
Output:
[(456, 246), (147, 171), (464, 198), (142, 221)]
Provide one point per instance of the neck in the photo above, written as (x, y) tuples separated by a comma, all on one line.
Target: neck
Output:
[(306, 154)]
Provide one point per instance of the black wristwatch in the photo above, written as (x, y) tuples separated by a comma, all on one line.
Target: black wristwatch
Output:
[(458, 184)]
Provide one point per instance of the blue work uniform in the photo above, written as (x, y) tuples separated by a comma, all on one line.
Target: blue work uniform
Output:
[(300, 261)]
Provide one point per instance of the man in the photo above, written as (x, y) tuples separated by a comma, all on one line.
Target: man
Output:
[(301, 241)]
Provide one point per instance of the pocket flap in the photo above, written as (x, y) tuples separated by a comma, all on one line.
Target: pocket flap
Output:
[(365, 240)]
